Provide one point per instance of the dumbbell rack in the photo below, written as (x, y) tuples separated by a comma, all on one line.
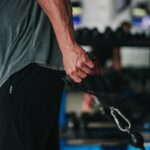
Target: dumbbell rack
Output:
[(116, 38)]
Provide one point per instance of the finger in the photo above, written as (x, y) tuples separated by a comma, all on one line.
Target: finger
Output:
[(85, 61), (81, 74), (85, 65), (86, 69), (76, 78), (90, 64)]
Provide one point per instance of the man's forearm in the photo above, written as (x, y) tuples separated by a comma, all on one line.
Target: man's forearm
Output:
[(60, 15), (75, 60)]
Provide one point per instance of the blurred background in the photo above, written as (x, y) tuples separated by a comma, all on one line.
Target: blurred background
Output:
[(118, 32)]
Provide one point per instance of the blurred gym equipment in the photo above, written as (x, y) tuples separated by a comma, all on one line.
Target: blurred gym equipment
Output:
[(94, 84), (127, 90), (86, 36)]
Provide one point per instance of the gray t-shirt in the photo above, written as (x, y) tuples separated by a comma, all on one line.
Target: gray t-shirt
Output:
[(26, 36)]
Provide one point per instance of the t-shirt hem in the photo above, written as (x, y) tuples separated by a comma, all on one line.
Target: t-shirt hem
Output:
[(49, 66)]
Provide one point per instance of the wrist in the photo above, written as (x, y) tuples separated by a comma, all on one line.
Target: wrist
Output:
[(70, 47), (66, 41)]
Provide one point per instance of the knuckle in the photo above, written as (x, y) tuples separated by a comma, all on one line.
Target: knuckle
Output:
[(88, 71), (79, 64), (73, 71), (83, 75), (69, 72), (84, 60), (78, 81)]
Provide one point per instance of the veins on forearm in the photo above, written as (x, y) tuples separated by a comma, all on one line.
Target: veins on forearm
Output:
[(60, 15), (61, 8)]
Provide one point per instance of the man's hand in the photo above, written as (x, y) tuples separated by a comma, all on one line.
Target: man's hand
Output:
[(77, 63)]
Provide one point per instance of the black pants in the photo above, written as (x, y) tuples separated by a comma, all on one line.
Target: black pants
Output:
[(29, 108)]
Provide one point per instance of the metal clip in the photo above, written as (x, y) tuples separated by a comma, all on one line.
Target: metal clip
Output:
[(123, 129)]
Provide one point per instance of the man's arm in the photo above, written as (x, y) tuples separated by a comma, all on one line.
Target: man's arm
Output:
[(116, 59), (76, 62)]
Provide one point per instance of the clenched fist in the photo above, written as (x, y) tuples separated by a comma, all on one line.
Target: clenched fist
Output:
[(77, 63)]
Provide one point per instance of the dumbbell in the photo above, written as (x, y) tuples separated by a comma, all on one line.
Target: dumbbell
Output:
[(137, 82), (119, 33), (78, 34), (140, 36), (71, 125), (83, 132), (108, 33), (111, 79), (85, 35), (95, 35)]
